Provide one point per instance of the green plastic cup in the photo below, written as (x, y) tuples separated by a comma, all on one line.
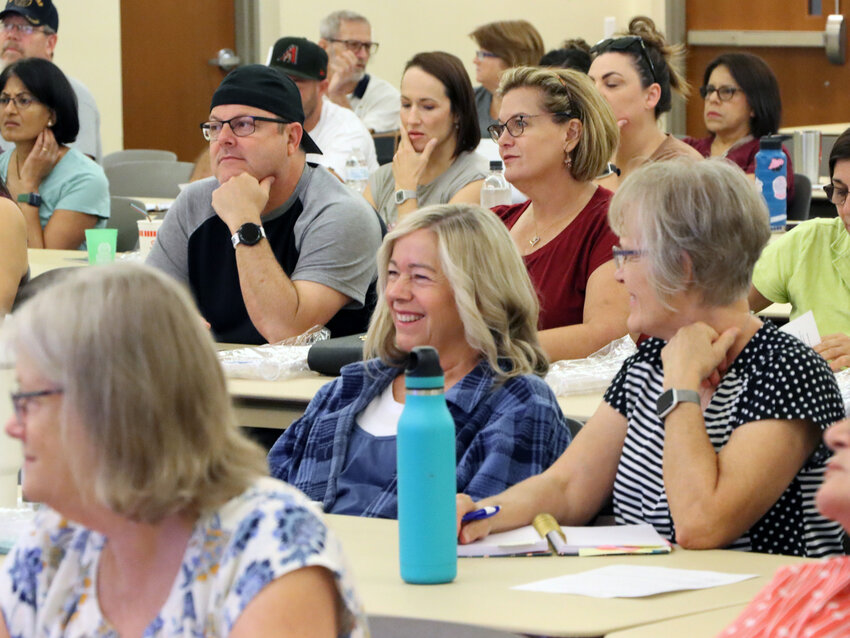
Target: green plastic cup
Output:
[(101, 244)]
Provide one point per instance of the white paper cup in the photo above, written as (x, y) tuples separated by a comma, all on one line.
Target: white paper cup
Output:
[(147, 235)]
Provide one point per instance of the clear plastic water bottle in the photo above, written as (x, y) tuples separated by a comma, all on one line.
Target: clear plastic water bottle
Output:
[(356, 171), (496, 191), (427, 483), (772, 179)]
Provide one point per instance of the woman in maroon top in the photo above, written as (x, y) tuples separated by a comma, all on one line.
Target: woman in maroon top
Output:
[(555, 135)]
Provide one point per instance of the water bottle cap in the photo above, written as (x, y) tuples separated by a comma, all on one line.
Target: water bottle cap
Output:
[(495, 165), (422, 362), (773, 142)]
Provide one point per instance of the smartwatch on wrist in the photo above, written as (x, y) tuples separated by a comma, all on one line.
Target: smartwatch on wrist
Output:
[(402, 196), (248, 234), (671, 398), (33, 199)]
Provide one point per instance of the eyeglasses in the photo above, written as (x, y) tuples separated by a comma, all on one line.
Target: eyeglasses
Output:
[(724, 93), (21, 400), (483, 55), (622, 255), (22, 100), (836, 195), (516, 125), (242, 125), (625, 43), (22, 29), (355, 46)]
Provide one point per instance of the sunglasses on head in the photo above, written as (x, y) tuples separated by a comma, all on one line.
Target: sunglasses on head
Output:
[(626, 43)]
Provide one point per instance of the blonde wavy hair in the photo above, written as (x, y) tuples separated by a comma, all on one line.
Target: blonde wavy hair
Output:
[(138, 370), (493, 292)]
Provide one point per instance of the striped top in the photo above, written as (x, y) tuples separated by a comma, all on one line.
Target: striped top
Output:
[(776, 376), (812, 599)]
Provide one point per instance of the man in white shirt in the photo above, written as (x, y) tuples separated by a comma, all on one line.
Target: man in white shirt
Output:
[(337, 131), (28, 30), (347, 37)]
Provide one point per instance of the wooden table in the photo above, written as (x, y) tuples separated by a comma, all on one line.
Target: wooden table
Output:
[(41, 260), (703, 625), (482, 595)]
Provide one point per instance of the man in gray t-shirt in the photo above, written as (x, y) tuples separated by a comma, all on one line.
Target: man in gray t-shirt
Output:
[(271, 245)]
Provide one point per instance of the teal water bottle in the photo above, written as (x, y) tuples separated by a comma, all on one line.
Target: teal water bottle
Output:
[(427, 483), (772, 179)]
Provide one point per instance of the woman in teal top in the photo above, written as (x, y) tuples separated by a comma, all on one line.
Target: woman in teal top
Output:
[(60, 191), (809, 267)]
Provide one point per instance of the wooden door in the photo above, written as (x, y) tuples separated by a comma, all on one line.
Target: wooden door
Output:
[(167, 79), (813, 90)]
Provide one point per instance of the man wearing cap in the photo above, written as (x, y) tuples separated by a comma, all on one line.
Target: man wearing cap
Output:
[(337, 131), (270, 246), (347, 37), (29, 31)]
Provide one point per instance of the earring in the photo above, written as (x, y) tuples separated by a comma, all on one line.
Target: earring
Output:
[(568, 161)]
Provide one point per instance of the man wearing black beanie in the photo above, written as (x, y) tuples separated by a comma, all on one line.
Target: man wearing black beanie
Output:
[(270, 246)]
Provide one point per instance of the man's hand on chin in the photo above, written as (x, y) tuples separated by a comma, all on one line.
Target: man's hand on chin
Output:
[(241, 199)]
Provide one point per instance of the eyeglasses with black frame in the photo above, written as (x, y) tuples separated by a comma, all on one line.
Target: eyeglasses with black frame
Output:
[(241, 125), (724, 92), (21, 100), (835, 194), (21, 400), (624, 43), (356, 45), (622, 255), (516, 124)]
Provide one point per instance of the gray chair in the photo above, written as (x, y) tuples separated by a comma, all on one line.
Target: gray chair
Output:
[(123, 216), (148, 178), (799, 206), (138, 155)]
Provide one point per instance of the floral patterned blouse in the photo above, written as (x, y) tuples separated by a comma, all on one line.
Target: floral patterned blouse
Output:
[(48, 585)]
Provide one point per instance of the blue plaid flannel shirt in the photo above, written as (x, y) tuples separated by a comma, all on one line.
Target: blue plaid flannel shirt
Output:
[(504, 434)]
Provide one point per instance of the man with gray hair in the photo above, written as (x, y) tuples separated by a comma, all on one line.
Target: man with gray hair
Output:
[(347, 37)]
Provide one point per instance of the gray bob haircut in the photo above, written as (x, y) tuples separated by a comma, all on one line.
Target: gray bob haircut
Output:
[(329, 26), (705, 209), (139, 372), (493, 292)]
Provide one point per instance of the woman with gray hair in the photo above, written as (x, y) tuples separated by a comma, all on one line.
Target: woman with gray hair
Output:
[(439, 286), (711, 432), (158, 516)]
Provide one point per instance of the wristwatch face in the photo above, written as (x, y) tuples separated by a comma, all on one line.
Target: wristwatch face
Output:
[(664, 403), (249, 234), (402, 196)]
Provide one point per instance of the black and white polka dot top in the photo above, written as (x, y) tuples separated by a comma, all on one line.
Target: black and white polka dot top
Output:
[(776, 376)]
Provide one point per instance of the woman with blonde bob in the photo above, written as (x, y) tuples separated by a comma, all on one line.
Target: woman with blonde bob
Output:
[(440, 286), (555, 136), (158, 515), (711, 432)]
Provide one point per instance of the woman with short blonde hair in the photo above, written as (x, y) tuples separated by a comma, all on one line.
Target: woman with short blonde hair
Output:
[(450, 278), (131, 444), (555, 135)]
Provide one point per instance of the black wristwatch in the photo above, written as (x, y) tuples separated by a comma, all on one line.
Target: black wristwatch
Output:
[(33, 199), (248, 234), (671, 398)]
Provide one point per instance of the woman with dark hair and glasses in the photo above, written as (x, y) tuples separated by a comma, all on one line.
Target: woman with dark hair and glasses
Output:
[(637, 73), (555, 135), (436, 161), (60, 191), (810, 267), (742, 104)]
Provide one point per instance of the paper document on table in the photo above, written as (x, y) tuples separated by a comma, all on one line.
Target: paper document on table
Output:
[(630, 581), (804, 328)]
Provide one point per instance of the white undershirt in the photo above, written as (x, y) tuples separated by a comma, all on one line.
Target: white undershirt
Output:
[(380, 417)]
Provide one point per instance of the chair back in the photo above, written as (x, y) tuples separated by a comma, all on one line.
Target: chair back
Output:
[(123, 216), (385, 146), (138, 155), (799, 206), (148, 178)]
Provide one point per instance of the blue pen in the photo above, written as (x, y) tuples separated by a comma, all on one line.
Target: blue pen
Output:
[(484, 512)]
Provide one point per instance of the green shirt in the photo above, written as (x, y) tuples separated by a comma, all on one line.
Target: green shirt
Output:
[(809, 267)]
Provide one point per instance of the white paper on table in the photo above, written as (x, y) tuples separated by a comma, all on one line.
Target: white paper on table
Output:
[(804, 328), (630, 581)]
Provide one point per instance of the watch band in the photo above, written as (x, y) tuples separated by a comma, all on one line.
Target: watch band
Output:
[(33, 199), (402, 196), (672, 397)]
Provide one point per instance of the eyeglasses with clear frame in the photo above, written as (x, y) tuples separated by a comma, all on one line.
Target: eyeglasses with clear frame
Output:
[(21, 400), (724, 92), (623, 255), (22, 101), (355, 46), (21, 29), (241, 125), (516, 124), (483, 55), (835, 194)]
